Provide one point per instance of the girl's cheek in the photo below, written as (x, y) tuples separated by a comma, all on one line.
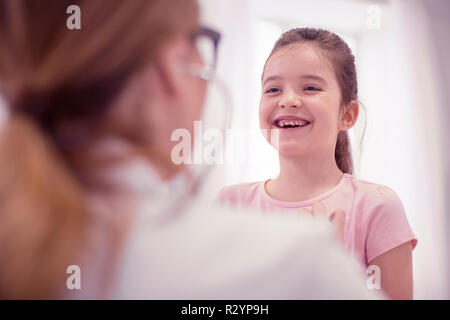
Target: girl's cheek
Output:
[(262, 118), (264, 114), (264, 121)]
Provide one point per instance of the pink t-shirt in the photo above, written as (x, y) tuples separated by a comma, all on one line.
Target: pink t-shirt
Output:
[(375, 218)]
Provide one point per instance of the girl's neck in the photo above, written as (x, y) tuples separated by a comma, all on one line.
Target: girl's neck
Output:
[(303, 178)]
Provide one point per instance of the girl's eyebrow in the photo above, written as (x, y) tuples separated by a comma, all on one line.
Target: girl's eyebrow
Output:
[(305, 76), (314, 77), (271, 78)]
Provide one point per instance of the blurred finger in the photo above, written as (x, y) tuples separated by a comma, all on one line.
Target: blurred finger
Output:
[(318, 210), (338, 220), (304, 211)]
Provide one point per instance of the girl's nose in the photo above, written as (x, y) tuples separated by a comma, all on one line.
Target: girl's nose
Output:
[(290, 100)]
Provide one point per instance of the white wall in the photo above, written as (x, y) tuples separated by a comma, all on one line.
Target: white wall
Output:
[(439, 25)]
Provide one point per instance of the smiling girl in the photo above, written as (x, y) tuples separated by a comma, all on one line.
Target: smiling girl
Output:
[(309, 94)]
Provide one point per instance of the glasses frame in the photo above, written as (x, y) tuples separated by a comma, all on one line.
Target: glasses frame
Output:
[(206, 72)]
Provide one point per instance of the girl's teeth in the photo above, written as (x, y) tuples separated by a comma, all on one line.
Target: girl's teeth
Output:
[(283, 123)]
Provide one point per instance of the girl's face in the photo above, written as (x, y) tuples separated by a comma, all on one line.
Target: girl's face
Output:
[(301, 97)]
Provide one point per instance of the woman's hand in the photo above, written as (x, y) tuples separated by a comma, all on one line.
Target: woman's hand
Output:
[(337, 218)]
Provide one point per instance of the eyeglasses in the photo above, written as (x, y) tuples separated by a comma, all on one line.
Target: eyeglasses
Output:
[(206, 41)]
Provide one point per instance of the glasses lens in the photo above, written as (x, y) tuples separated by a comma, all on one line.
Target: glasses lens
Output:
[(205, 47)]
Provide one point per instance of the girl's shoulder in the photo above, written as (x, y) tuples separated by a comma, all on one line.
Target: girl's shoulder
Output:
[(381, 218), (367, 188), (239, 193), (373, 194)]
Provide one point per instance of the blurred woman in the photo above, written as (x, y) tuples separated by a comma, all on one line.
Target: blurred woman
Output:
[(87, 177)]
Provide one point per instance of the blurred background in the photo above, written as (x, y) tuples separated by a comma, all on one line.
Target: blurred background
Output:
[(401, 50)]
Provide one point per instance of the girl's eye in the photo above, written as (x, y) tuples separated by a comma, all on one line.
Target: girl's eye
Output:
[(272, 90), (312, 88)]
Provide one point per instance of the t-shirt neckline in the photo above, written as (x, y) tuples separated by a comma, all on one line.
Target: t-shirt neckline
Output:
[(304, 203)]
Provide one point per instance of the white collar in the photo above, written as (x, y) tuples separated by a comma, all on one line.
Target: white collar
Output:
[(155, 196)]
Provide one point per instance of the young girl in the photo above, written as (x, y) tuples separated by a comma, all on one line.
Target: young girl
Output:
[(309, 94)]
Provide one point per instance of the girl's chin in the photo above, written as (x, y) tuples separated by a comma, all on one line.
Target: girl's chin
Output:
[(290, 148)]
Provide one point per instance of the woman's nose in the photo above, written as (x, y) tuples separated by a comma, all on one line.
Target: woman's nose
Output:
[(290, 100)]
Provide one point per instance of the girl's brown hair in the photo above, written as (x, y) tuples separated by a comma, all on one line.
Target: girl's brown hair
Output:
[(59, 84), (343, 61)]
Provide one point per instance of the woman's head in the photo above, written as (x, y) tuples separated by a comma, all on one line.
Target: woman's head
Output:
[(122, 73), (309, 80)]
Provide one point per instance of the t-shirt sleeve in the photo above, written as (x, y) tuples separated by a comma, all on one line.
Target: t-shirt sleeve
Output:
[(225, 196), (387, 224)]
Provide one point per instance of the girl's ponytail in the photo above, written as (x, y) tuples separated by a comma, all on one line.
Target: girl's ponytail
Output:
[(42, 213), (343, 153)]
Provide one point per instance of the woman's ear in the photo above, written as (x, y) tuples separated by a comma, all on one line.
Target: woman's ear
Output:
[(349, 115), (166, 72), (166, 67)]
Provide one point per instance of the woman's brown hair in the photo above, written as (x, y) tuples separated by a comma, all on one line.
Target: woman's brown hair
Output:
[(59, 83), (343, 62)]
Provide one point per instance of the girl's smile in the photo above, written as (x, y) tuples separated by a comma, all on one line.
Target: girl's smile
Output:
[(290, 122)]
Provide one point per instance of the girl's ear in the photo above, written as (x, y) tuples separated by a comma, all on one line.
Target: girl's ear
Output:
[(349, 115)]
